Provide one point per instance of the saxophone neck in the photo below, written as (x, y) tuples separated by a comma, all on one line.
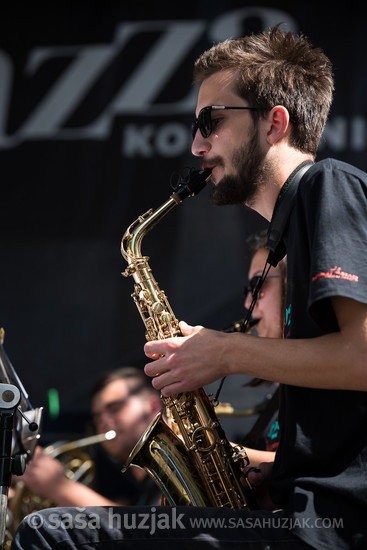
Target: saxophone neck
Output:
[(186, 187), (133, 237)]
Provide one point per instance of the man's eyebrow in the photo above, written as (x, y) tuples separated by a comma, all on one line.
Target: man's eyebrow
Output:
[(131, 393), (115, 402)]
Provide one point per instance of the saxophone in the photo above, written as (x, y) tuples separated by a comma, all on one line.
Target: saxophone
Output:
[(193, 463)]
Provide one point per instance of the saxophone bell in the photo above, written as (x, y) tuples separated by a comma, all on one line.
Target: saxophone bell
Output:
[(162, 454)]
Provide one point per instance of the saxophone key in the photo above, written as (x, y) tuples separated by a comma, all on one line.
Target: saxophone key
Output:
[(166, 317), (158, 308)]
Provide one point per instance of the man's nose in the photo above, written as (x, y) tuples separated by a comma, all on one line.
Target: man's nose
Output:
[(200, 146)]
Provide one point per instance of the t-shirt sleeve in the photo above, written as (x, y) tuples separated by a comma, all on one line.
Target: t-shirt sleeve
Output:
[(335, 206)]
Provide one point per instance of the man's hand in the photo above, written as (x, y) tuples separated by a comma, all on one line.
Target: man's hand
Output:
[(180, 364), (43, 473)]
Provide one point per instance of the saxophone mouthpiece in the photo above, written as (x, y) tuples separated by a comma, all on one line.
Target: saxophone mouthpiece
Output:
[(192, 183)]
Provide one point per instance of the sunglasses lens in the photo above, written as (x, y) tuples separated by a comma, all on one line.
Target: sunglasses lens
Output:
[(253, 283), (252, 286), (205, 121)]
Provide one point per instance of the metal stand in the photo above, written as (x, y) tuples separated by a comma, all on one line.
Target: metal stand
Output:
[(19, 434), (9, 401)]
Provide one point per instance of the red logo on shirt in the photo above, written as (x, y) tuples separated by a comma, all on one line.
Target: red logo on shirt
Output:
[(335, 273)]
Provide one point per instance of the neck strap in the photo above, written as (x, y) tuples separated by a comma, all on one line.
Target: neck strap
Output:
[(282, 210)]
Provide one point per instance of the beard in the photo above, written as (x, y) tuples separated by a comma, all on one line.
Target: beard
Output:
[(251, 169)]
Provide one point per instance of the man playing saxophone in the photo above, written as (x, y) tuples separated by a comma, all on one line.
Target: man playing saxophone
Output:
[(278, 101), (262, 106)]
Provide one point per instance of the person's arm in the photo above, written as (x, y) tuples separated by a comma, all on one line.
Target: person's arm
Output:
[(45, 477), (73, 493), (334, 361), (257, 457), (258, 474)]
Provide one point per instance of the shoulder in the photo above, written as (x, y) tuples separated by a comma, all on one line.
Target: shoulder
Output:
[(334, 180), (331, 169)]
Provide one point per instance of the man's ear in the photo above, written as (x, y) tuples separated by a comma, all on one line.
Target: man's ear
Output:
[(278, 126)]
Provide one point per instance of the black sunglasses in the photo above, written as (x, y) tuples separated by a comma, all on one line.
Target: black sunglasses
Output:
[(255, 283), (204, 120)]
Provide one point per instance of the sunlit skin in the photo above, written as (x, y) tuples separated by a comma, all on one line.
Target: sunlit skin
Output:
[(267, 310)]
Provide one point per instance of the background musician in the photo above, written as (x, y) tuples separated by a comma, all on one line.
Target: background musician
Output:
[(269, 311), (123, 400)]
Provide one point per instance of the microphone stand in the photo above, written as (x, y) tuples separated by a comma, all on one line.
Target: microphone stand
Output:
[(19, 433), (9, 401)]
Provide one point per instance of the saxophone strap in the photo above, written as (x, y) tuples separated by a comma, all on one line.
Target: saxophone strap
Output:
[(282, 210), (277, 227)]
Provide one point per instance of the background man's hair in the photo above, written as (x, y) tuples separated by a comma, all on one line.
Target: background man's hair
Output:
[(135, 379)]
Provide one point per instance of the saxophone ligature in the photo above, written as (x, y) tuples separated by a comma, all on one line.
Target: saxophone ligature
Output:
[(193, 464)]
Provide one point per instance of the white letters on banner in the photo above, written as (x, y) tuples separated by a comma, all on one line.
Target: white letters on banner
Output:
[(136, 96)]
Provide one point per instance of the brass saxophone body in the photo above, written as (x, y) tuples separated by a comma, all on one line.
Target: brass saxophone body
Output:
[(197, 467)]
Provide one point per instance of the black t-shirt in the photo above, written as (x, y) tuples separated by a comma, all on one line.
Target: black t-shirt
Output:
[(320, 472)]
